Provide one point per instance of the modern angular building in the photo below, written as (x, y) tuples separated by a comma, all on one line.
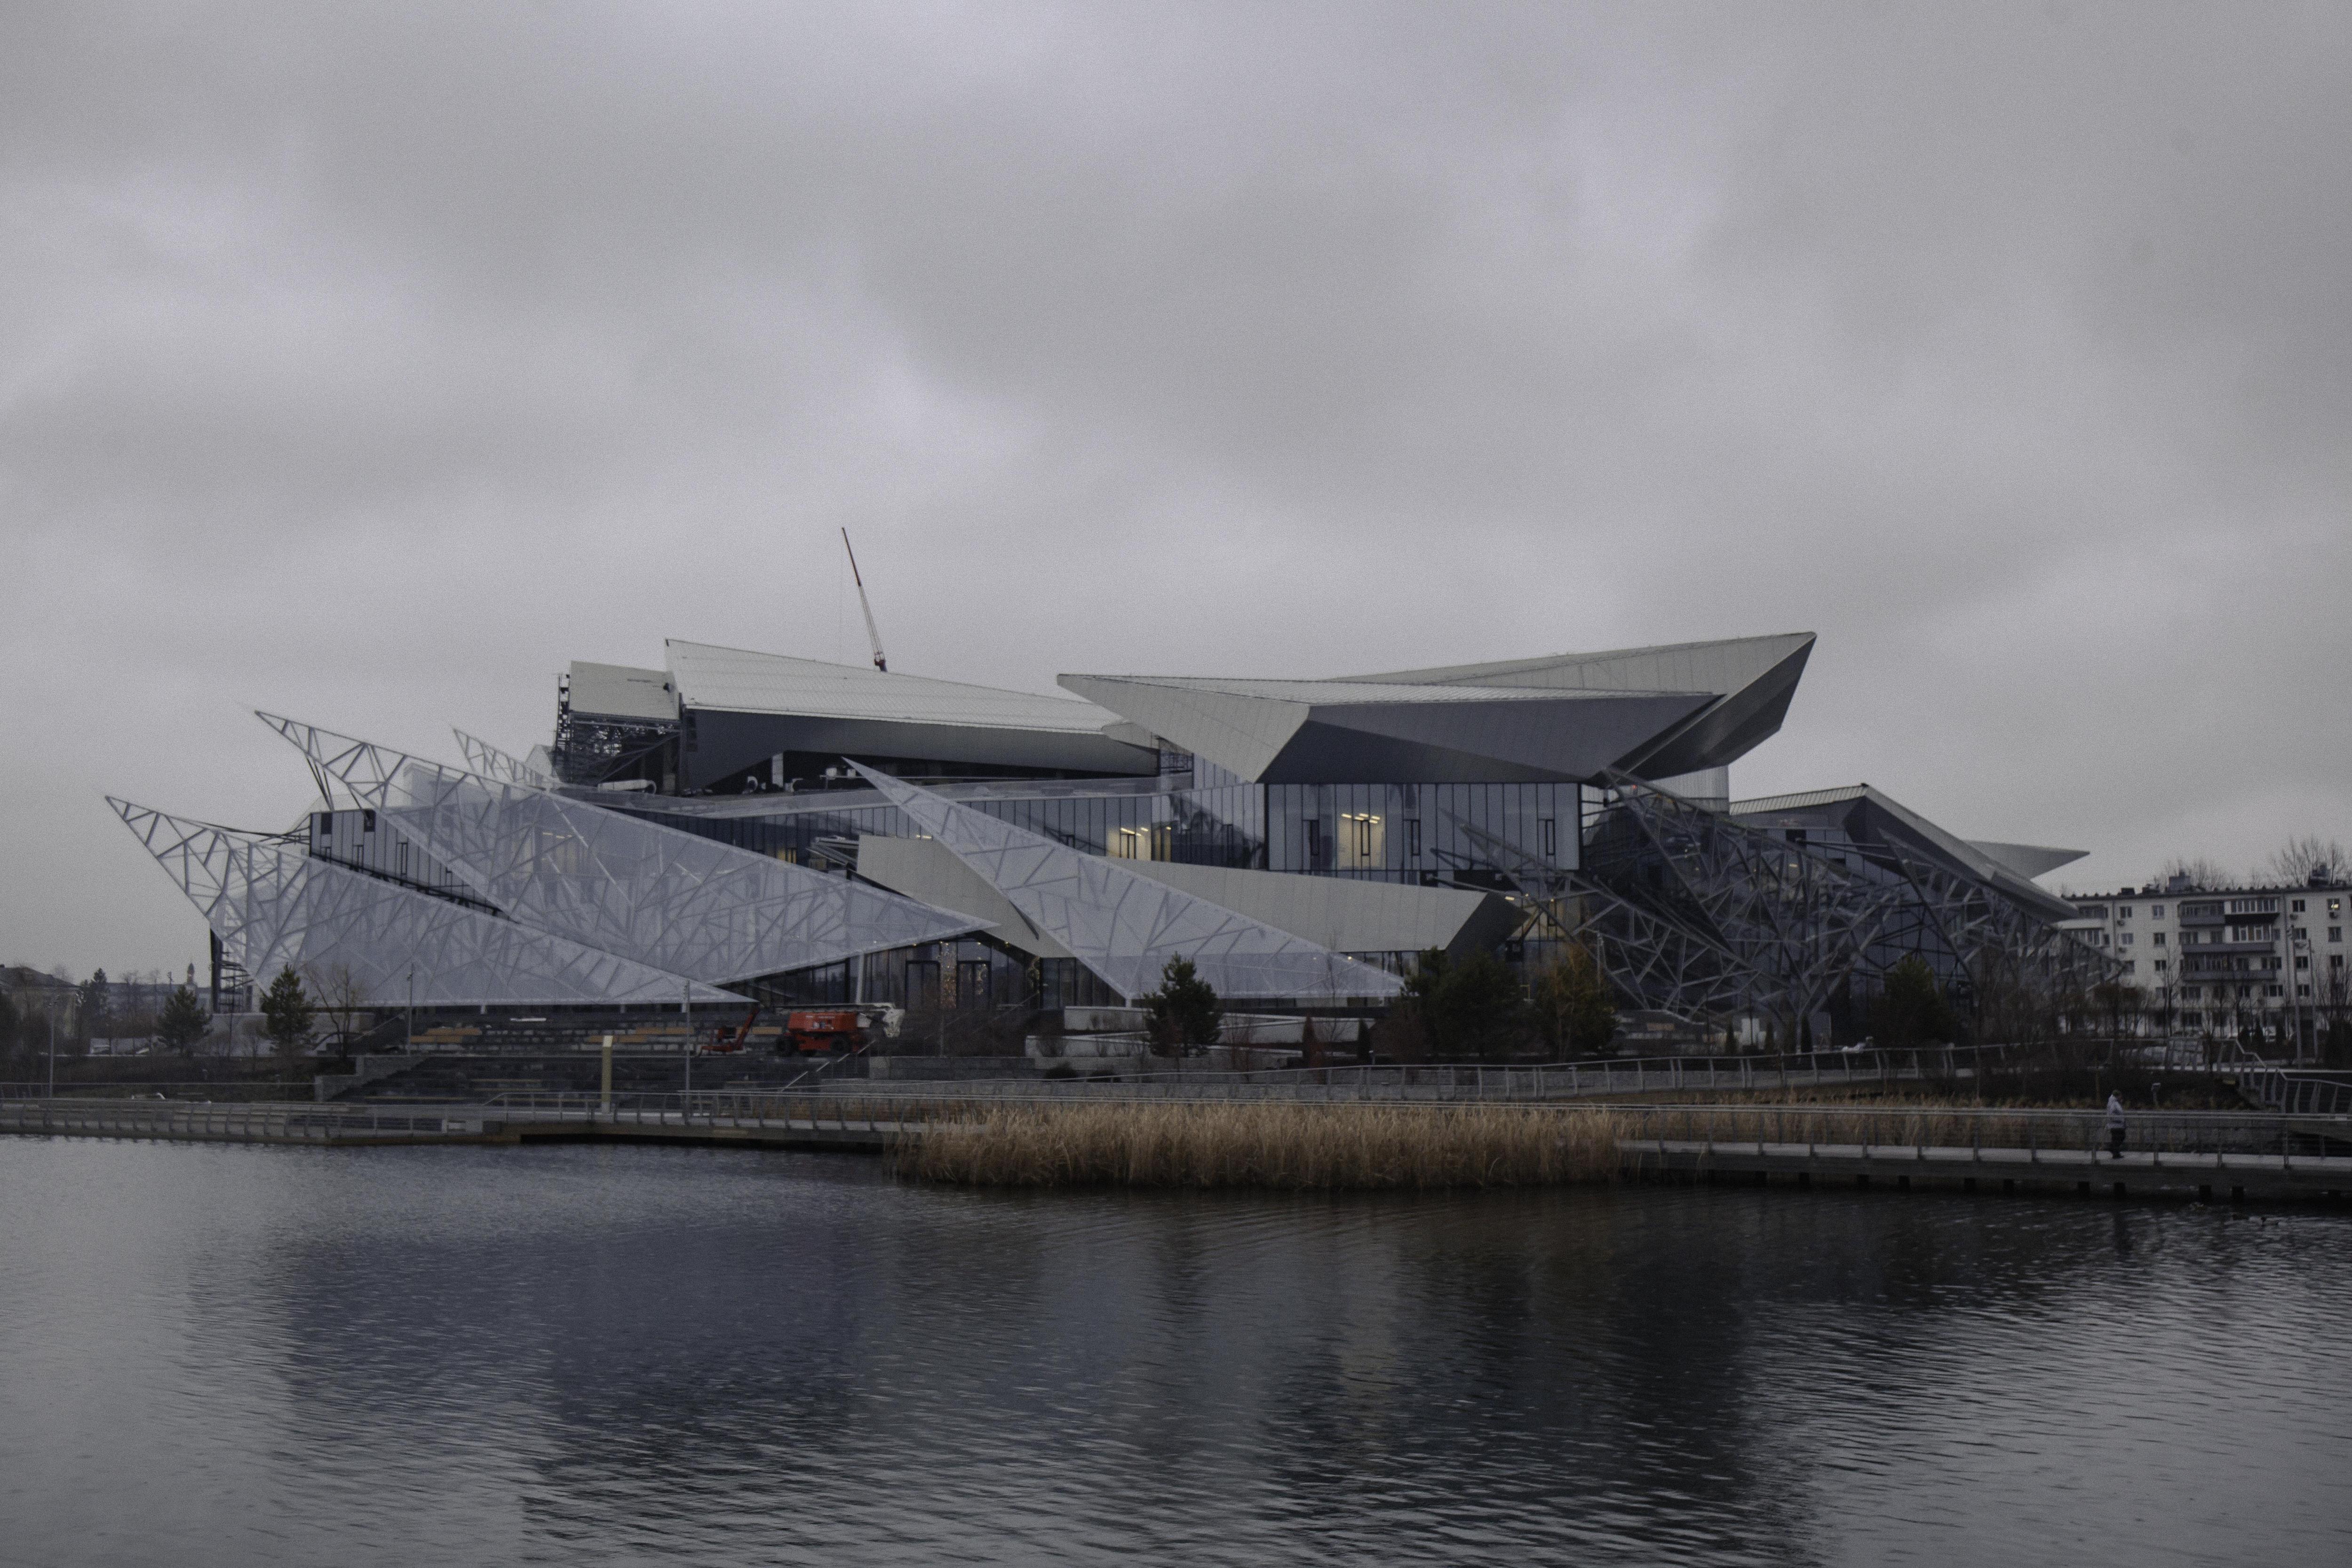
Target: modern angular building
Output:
[(739, 825)]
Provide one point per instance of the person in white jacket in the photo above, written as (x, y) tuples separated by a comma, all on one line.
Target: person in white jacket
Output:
[(2114, 1125)]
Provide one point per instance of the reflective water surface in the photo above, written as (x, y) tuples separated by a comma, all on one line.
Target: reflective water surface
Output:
[(226, 1355)]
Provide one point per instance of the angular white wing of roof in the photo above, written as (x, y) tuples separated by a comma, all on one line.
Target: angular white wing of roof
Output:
[(1722, 666), (617, 691), (738, 680)]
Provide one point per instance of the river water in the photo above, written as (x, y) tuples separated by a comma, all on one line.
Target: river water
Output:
[(591, 1355)]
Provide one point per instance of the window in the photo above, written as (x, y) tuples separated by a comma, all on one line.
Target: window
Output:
[(2124, 939), (1312, 826), (2336, 933), (1412, 838), (2335, 960), (2159, 966), (2302, 990), (367, 821), (2193, 993), (2334, 905), (2156, 912), (2303, 960), (2158, 938), (1548, 831), (1363, 826), (2123, 911), (2273, 990), (2129, 966), (2295, 908)]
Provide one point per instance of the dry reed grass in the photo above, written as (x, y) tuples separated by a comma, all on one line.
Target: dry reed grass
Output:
[(1323, 1147)]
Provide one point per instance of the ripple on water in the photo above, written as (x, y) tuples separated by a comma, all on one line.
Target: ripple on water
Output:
[(594, 1355)]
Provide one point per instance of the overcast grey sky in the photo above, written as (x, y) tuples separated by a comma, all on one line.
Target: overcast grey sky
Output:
[(368, 363)]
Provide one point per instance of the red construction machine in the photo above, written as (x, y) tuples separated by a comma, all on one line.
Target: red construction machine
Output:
[(825, 1029)]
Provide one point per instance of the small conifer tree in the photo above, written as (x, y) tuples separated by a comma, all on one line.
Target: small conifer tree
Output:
[(287, 1013), (183, 1021), (1183, 1011)]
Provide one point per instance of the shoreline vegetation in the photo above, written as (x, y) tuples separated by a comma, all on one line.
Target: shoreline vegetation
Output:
[(1266, 1146)]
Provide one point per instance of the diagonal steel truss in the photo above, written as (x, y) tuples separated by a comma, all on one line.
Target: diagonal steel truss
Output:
[(1699, 915), (502, 768), (1126, 926), (274, 906), (619, 883)]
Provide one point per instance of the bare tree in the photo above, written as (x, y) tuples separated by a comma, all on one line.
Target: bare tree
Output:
[(2199, 872), (340, 999), (2297, 861)]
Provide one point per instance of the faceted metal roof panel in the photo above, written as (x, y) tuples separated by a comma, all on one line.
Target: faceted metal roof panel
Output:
[(1306, 731), (2028, 860), (1751, 680), (743, 682), (617, 882), (274, 906), (1126, 926), (620, 691), (1721, 665)]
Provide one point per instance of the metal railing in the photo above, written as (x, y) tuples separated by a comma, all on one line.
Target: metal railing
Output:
[(270, 1121)]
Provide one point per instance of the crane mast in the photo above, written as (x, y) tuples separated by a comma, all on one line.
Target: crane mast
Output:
[(872, 636)]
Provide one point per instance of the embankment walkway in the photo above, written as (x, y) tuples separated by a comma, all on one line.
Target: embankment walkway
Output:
[(2213, 1156)]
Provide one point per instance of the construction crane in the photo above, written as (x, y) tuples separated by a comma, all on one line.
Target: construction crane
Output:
[(872, 636)]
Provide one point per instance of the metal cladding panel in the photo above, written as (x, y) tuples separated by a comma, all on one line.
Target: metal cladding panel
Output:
[(1240, 731), (746, 682), (1343, 913), (1305, 732), (621, 884), (2028, 860), (1729, 729), (618, 691), (1124, 926), (1753, 680), (275, 908), (1722, 666), (928, 870)]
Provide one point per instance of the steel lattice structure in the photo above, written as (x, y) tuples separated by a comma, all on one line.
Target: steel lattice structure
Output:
[(275, 907), (1699, 915), (1124, 926), (614, 882)]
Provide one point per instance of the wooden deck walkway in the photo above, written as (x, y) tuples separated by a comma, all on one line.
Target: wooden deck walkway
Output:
[(2082, 1171)]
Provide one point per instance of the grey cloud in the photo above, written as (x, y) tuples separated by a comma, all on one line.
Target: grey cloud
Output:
[(370, 361)]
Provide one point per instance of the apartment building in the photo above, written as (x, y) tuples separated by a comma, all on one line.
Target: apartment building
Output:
[(2216, 962)]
